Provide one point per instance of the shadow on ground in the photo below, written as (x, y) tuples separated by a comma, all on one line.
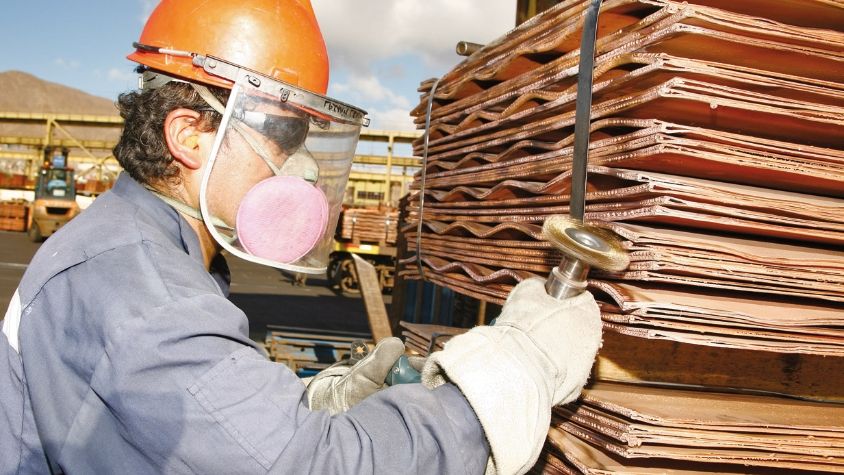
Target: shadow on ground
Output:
[(315, 313)]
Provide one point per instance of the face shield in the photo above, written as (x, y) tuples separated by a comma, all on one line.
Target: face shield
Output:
[(273, 185)]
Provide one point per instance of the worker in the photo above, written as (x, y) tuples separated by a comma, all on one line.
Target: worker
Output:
[(121, 354), (58, 181)]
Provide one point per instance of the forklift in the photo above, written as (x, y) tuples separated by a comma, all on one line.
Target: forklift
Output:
[(55, 196)]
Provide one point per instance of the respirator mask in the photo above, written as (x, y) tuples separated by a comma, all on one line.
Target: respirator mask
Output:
[(274, 183)]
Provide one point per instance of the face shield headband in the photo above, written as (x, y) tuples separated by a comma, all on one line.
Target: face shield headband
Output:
[(320, 105)]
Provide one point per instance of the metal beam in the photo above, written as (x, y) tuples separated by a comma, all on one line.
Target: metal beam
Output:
[(376, 177), (75, 119), (57, 142), (398, 136), (35, 155), (20, 154), (383, 160)]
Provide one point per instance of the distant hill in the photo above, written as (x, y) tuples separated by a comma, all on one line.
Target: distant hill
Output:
[(23, 92)]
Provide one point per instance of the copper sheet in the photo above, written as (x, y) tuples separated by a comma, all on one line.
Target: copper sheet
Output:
[(683, 314), (667, 255), (524, 169), (551, 464), (728, 337), (677, 100), (625, 26), (770, 53), (674, 200), (617, 137), (748, 265), (735, 320), (590, 459), (637, 421), (422, 337), (369, 225), (622, 74), (735, 308), (612, 185)]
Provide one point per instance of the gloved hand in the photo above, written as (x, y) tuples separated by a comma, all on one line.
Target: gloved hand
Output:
[(341, 386), (538, 354)]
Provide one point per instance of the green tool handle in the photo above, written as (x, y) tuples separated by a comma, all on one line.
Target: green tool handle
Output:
[(403, 373)]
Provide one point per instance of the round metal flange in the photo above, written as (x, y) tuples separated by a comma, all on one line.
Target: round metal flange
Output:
[(591, 245)]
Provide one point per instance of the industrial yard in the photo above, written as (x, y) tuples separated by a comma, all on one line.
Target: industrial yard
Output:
[(608, 238)]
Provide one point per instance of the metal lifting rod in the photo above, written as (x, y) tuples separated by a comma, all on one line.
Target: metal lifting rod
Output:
[(584, 246)]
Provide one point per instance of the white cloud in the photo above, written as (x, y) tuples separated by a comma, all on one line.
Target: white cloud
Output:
[(363, 34), (391, 119), (370, 89), (363, 31), (121, 75), (388, 110), (66, 63)]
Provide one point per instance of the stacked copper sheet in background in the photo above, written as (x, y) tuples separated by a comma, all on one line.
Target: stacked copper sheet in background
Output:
[(13, 215), (378, 225), (424, 339), (717, 154)]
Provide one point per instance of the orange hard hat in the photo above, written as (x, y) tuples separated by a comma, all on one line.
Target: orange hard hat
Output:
[(277, 38)]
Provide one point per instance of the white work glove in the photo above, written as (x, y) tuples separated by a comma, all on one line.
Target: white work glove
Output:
[(538, 354), (339, 387)]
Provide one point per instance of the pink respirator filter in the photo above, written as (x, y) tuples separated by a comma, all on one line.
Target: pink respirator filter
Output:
[(282, 218)]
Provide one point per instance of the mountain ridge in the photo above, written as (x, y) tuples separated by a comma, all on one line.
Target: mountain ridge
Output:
[(23, 92)]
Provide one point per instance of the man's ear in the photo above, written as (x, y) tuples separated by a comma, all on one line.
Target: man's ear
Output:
[(182, 133)]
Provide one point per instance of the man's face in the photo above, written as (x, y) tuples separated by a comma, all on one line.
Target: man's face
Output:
[(248, 155)]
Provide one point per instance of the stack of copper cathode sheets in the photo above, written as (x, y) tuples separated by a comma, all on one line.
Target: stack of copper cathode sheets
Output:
[(378, 225), (716, 154), (698, 427)]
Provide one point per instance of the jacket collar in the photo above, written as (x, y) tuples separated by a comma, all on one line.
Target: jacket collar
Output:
[(171, 224)]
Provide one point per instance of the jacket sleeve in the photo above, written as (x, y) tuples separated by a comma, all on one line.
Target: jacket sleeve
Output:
[(191, 393)]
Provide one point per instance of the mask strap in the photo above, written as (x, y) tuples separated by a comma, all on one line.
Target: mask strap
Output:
[(218, 106), (190, 210), (255, 146), (206, 95), (300, 164)]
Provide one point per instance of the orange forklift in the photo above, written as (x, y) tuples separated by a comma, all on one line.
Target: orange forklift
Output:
[(55, 196)]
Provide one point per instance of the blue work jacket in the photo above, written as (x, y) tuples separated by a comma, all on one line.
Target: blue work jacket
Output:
[(121, 354)]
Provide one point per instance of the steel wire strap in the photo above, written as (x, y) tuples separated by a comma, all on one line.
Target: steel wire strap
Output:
[(424, 174)]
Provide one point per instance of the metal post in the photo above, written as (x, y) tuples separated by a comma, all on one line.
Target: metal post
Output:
[(417, 309), (388, 194), (435, 304), (403, 181), (481, 320)]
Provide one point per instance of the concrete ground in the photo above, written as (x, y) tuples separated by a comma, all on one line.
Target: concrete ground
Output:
[(267, 296)]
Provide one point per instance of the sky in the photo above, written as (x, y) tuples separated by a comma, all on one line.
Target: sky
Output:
[(380, 50)]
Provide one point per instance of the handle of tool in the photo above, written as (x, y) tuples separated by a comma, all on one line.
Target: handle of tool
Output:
[(583, 111), (403, 373)]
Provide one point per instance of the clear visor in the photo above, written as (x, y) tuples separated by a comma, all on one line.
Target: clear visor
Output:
[(274, 183)]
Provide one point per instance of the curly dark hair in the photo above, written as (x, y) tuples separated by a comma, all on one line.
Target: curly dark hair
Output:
[(142, 150)]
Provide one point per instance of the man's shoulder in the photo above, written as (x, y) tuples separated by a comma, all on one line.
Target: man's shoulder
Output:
[(80, 239), (107, 242)]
